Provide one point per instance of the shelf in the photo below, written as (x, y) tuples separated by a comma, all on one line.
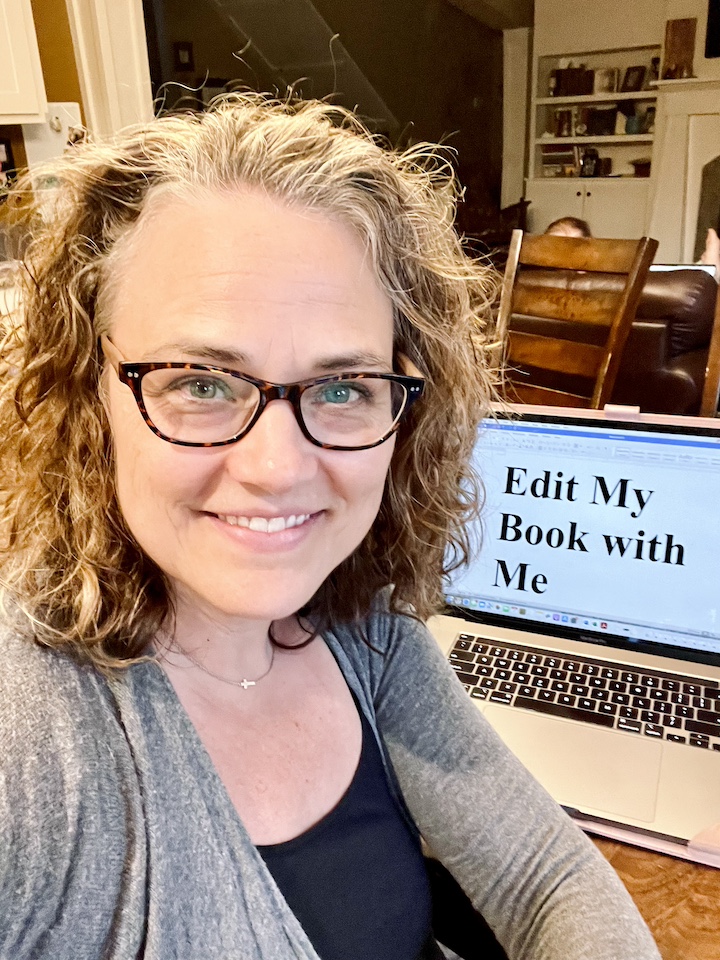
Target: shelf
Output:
[(619, 210), (620, 138), (688, 83), (613, 178), (597, 98)]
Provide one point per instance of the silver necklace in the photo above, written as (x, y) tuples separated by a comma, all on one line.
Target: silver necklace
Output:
[(244, 683)]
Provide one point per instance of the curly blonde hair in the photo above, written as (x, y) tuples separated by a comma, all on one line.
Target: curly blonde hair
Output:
[(71, 572)]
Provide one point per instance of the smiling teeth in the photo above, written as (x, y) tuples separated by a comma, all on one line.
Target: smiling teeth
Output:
[(263, 525)]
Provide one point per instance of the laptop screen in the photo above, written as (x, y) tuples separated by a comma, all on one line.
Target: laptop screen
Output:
[(607, 530)]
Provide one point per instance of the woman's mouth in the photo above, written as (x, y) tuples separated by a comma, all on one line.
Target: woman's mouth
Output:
[(266, 524)]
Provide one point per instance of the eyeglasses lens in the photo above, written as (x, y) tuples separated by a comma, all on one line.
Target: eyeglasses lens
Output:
[(198, 406), (352, 412)]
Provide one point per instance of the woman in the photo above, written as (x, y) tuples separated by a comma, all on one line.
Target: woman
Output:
[(224, 732)]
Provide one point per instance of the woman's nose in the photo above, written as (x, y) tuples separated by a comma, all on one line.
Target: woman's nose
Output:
[(275, 454)]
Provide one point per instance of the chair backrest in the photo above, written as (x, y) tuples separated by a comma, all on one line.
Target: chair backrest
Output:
[(711, 387), (566, 308)]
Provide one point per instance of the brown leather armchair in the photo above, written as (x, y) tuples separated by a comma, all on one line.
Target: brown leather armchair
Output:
[(663, 366)]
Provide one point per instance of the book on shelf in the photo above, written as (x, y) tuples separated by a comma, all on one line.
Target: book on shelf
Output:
[(559, 160)]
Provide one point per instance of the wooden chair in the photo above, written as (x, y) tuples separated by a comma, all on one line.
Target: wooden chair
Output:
[(711, 387), (566, 309)]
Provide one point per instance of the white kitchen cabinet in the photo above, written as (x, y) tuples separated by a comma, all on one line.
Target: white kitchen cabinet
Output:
[(22, 89), (614, 207)]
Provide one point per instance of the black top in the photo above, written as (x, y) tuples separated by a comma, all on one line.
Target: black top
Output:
[(356, 880)]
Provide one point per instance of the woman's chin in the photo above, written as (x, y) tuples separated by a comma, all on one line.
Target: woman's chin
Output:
[(231, 608)]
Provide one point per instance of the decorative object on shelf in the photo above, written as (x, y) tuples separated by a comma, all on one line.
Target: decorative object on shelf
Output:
[(589, 163), (563, 123), (679, 48), (574, 82), (633, 124), (648, 125), (633, 79), (641, 167), (606, 80), (654, 72), (605, 167)]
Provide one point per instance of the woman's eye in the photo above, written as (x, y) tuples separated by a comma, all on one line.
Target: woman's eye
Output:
[(204, 388), (341, 393)]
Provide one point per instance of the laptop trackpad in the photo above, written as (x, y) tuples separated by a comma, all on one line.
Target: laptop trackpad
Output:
[(594, 769)]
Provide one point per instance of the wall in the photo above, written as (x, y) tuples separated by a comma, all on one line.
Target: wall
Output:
[(678, 9), (606, 24), (56, 50), (516, 60), (575, 26)]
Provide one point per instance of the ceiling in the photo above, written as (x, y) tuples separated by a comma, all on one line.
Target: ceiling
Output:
[(499, 14)]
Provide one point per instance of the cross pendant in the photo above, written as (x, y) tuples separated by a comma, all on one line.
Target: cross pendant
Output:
[(246, 683)]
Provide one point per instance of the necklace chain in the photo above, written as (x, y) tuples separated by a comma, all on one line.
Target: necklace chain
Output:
[(244, 683)]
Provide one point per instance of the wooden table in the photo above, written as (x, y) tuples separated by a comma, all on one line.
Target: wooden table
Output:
[(680, 901)]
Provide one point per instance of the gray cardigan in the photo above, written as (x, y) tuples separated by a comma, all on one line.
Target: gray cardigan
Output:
[(118, 840)]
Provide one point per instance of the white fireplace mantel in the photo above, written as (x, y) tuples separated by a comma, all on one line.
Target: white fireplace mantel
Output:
[(687, 136)]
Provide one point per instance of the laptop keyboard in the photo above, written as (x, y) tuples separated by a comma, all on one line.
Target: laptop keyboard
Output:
[(650, 703)]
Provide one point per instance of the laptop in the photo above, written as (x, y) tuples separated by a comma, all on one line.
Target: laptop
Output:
[(587, 626), (670, 267)]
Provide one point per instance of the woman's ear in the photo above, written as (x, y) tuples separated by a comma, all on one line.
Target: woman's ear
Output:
[(104, 347), (408, 367)]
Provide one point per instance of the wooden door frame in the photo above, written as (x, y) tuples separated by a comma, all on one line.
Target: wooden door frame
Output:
[(112, 61)]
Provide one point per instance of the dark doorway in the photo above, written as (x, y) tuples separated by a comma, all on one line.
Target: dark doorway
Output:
[(415, 70)]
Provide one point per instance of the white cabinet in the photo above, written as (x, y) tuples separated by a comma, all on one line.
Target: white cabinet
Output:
[(22, 89), (552, 199), (617, 208), (613, 207)]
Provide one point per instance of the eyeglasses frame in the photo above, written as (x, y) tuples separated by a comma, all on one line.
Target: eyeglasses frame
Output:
[(132, 373)]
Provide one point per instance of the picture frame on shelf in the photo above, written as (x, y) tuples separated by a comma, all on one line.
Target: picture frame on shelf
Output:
[(633, 79), (183, 56), (580, 121), (606, 80)]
